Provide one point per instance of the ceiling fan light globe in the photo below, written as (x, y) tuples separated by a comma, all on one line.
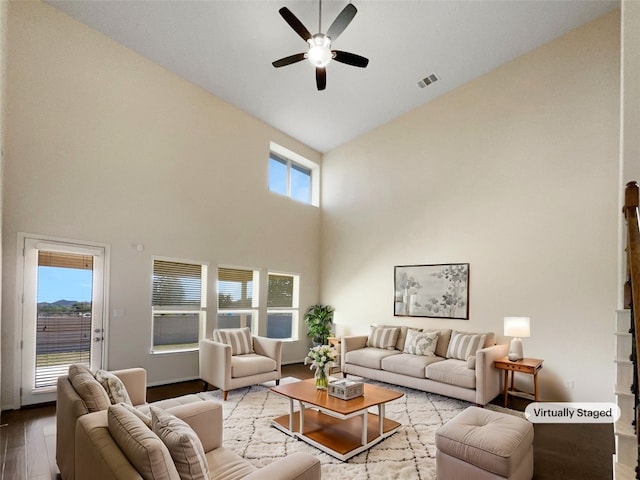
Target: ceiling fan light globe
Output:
[(319, 55)]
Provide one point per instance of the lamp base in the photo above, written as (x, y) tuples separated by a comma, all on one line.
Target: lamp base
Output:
[(515, 350)]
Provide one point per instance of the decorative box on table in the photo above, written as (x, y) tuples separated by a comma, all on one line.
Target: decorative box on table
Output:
[(345, 389)]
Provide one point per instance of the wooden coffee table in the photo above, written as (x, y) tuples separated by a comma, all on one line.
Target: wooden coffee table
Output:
[(342, 428)]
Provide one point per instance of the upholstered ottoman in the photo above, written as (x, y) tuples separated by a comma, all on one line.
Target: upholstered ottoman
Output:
[(478, 444)]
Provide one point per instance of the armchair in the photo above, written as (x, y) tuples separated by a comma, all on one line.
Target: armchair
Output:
[(218, 367)]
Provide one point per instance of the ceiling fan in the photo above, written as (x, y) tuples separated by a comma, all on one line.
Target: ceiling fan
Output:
[(320, 53)]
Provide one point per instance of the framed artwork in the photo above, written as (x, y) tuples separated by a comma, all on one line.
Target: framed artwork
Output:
[(438, 291)]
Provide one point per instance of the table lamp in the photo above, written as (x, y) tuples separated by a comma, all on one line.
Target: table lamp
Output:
[(516, 327)]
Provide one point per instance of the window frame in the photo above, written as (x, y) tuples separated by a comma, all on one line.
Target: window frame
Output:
[(294, 309), (253, 311), (175, 309), (291, 159)]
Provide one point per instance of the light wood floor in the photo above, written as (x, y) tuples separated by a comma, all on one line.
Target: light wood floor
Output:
[(571, 452)]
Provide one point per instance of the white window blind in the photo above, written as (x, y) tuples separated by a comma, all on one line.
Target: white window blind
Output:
[(282, 306), (237, 297), (179, 304)]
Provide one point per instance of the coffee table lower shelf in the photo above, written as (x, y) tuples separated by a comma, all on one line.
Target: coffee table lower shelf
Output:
[(337, 437)]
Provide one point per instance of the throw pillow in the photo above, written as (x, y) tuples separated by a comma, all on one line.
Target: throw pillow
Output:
[(146, 419), (113, 386), (146, 452), (84, 383), (463, 346), (383, 337), (239, 338), (183, 444), (421, 343)]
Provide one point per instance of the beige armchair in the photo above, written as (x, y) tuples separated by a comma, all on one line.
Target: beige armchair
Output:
[(218, 367)]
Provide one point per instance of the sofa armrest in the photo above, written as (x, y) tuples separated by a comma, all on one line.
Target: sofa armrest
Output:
[(347, 344), (205, 418), (215, 363), (297, 466), (69, 407), (488, 378), (135, 381), (269, 347)]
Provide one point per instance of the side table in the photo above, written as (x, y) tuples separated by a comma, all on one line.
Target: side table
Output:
[(527, 365)]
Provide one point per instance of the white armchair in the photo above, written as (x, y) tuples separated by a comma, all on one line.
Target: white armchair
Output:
[(218, 367)]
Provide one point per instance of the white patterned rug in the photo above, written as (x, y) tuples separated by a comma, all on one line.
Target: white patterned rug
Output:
[(408, 454)]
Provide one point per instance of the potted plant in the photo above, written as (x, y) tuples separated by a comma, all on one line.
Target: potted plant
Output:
[(318, 319)]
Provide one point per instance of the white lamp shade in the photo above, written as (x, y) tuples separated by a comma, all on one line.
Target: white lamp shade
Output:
[(517, 327)]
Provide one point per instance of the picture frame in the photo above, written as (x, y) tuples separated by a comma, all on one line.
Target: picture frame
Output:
[(436, 291)]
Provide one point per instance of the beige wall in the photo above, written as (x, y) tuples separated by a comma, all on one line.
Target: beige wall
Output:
[(631, 90), (515, 173), (3, 62), (105, 146)]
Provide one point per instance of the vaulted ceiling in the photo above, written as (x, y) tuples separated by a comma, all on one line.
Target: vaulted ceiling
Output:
[(227, 47)]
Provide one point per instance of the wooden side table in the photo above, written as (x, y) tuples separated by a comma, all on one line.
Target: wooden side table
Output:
[(527, 365), (335, 343)]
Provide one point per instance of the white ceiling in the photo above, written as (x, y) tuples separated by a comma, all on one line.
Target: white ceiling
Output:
[(227, 48)]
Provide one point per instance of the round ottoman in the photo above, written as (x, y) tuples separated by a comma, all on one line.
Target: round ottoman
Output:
[(480, 444)]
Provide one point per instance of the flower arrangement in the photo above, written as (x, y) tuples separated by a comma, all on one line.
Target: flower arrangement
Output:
[(321, 358)]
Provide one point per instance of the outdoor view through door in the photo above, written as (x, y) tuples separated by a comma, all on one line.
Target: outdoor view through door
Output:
[(62, 314), (63, 328)]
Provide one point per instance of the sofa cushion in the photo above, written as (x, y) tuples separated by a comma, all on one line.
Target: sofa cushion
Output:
[(444, 336), (114, 387), (369, 357), (173, 402), (452, 372), (226, 464), (146, 452), (92, 393), (408, 364), (240, 339), (421, 343), (464, 345), (251, 364), (183, 444), (383, 337)]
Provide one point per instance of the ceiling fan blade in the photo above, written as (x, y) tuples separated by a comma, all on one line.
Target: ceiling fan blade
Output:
[(341, 21), (350, 59), (321, 78), (289, 60), (294, 23)]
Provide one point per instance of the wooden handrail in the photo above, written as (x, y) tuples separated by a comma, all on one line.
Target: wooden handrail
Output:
[(632, 214)]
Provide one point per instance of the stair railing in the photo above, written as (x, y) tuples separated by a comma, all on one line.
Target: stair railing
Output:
[(632, 293)]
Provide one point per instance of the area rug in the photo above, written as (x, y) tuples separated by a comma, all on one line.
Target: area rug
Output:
[(408, 454)]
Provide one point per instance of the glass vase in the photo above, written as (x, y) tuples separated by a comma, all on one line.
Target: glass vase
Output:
[(321, 377)]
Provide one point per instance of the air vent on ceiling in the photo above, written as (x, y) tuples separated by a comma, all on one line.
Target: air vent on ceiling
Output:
[(428, 80)]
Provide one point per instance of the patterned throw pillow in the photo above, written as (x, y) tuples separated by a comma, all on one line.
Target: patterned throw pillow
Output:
[(421, 343), (114, 387), (183, 444), (239, 338), (383, 337), (464, 345)]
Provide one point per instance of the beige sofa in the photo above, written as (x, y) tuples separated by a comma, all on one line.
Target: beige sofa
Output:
[(98, 456), (70, 406), (474, 380)]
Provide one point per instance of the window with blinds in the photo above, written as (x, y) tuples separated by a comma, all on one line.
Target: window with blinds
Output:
[(282, 306), (237, 297), (178, 303)]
